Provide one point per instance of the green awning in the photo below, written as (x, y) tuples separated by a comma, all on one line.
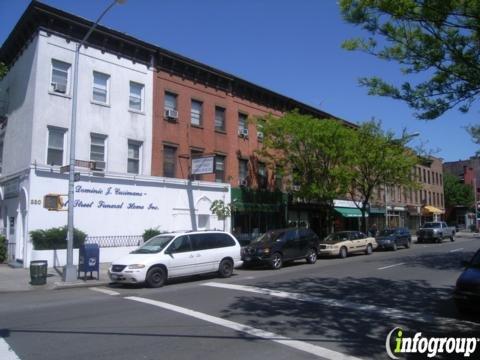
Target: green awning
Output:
[(349, 212), (375, 210)]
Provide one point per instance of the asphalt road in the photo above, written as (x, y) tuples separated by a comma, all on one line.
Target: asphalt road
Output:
[(334, 309)]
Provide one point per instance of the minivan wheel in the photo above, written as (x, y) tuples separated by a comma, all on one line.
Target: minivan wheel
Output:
[(156, 277), (311, 256), (276, 262), (343, 252), (225, 268), (369, 249)]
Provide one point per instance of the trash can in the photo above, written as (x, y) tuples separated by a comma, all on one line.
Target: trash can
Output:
[(89, 260), (38, 272)]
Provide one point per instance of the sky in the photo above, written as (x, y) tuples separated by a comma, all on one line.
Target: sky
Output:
[(292, 47)]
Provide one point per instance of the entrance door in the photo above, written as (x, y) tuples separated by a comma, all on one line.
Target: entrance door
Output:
[(11, 238)]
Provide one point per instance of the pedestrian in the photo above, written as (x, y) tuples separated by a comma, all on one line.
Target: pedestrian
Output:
[(373, 230)]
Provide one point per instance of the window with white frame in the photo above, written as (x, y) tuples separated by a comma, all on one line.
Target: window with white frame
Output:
[(60, 76), (136, 96), (56, 142), (134, 150), (242, 171), (242, 123), (196, 113), (219, 118), (100, 87), (98, 150), (219, 168), (170, 101)]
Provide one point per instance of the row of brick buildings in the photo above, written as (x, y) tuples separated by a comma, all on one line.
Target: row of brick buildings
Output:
[(146, 111)]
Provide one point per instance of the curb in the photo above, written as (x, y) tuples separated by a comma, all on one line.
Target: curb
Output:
[(74, 285)]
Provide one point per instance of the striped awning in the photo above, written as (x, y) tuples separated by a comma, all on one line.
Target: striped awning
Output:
[(432, 210)]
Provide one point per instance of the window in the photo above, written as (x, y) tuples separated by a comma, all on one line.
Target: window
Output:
[(194, 154), (416, 196), (279, 178), (100, 87), (1, 153), (170, 101), (133, 166), (424, 176), (60, 75), (219, 168), (428, 176), (219, 118), (180, 245), (136, 96), (441, 181), (262, 175), (196, 113), (242, 123), (97, 149), (169, 160), (242, 171), (56, 138)]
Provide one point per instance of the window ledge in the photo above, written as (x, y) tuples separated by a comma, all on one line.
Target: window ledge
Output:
[(136, 111), (59, 94), (100, 103), (197, 126), (220, 131)]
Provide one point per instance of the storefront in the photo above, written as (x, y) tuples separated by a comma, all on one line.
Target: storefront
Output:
[(120, 205), (347, 216)]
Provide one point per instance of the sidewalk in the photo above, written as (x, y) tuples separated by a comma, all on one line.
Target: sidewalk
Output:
[(15, 280)]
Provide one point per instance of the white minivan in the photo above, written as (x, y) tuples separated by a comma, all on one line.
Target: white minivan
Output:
[(178, 254)]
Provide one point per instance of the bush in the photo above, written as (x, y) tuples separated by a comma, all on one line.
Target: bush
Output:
[(149, 233), (55, 238), (3, 249)]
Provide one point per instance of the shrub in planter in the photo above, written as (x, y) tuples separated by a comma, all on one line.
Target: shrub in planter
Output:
[(3, 249), (55, 238), (149, 233)]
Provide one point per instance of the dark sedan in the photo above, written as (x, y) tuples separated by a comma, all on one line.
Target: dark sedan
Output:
[(467, 290), (276, 246), (393, 238)]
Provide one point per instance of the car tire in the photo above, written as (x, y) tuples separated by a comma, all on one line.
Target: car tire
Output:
[(343, 253), (156, 277), (225, 269), (276, 261), (369, 250), (311, 256), (394, 247), (408, 244)]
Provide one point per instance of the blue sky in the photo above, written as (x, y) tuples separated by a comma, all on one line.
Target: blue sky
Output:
[(292, 47)]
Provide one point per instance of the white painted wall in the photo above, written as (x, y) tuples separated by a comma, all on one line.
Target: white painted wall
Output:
[(19, 84), (115, 120)]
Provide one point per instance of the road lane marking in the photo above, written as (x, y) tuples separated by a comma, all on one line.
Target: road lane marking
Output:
[(296, 344), (390, 266), (376, 310), (6, 352), (455, 250), (104, 291)]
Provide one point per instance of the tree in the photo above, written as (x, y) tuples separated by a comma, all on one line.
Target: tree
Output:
[(456, 193), (3, 70), (315, 155), (436, 38), (378, 160), (221, 210)]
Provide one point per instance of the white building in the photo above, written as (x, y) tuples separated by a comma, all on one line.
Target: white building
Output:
[(114, 129)]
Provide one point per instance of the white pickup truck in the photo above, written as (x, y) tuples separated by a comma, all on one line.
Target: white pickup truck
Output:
[(435, 232)]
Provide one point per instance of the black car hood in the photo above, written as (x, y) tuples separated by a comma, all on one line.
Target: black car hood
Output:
[(261, 244), (470, 280), (382, 238)]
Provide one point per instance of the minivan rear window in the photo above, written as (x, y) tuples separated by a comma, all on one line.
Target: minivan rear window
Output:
[(211, 241)]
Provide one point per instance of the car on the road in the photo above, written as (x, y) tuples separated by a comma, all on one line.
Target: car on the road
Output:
[(343, 243), (435, 231), (393, 238), (467, 289), (277, 246), (180, 254)]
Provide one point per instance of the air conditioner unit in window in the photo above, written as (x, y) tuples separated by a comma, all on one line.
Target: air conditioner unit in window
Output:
[(259, 135), (171, 114), (60, 88), (296, 187), (243, 132), (243, 182), (97, 165)]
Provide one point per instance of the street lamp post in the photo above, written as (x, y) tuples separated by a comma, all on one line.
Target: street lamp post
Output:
[(70, 270)]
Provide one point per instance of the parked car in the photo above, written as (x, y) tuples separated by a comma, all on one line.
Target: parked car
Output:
[(435, 232), (393, 238), (277, 246), (467, 289), (167, 256), (343, 243)]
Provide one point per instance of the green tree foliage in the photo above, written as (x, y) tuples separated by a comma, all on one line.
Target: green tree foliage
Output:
[(55, 238), (378, 160), (313, 153), (436, 38), (3, 249), (149, 233), (457, 193), (475, 133)]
